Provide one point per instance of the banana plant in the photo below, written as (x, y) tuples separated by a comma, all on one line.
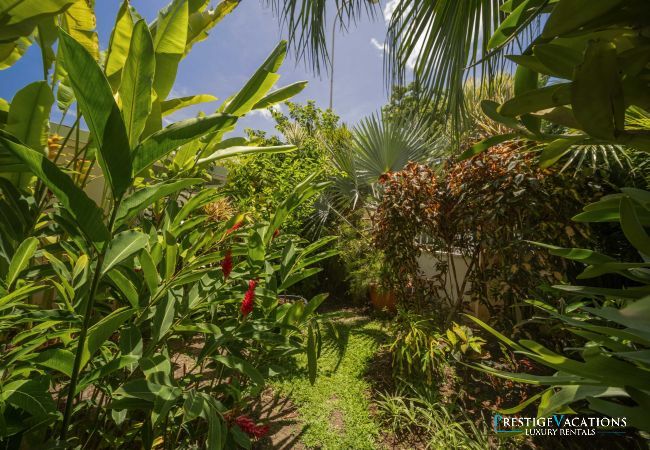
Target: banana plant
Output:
[(610, 374)]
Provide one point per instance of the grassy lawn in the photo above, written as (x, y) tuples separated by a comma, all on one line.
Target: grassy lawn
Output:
[(334, 412)]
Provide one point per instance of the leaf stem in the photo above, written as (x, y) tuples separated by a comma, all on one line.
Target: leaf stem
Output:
[(76, 368)]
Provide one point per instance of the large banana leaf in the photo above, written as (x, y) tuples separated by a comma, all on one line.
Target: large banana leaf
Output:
[(78, 204), (170, 37), (29, 114), (259, 84), (79, 22), (159, 144), (19, 17), (118, 46), (137, 82), (11, 52), (102, 114)]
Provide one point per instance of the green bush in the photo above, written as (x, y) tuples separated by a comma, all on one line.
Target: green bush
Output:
[(258, 183)]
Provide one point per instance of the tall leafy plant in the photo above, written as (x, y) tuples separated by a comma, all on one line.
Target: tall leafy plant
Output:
[(92, 298), (608, 372)]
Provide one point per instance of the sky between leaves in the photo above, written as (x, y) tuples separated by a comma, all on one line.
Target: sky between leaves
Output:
[(236, 47)]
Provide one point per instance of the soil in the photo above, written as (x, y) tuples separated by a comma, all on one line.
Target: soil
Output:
[(282, 415)]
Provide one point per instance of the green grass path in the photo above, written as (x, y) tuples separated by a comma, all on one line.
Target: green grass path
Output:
[(335, 411)]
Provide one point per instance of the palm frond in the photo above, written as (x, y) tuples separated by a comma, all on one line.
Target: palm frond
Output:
[(306, 22), (445, 43), (438, 43), (382, 146)]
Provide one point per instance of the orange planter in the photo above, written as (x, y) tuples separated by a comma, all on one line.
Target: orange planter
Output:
[(382, 299)]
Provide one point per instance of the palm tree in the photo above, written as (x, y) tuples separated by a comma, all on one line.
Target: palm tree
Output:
[(443, 41)]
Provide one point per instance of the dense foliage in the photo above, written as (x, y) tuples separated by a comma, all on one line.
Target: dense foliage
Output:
[(446, 215), (153, 319), (259, 183)]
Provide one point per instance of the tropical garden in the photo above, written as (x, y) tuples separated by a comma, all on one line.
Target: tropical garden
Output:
[(476, 249)]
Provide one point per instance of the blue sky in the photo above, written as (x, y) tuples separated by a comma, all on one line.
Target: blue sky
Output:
[(224, 62)]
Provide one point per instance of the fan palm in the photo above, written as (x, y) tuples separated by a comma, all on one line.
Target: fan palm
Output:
[(378, 146)]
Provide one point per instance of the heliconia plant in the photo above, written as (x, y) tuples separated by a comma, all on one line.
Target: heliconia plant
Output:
[(122, 323)]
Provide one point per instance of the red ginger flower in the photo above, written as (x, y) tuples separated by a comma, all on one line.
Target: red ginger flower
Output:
[(226, 264), (249, 298), (248, 426)]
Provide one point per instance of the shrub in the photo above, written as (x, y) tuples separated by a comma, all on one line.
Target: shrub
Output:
[(259, 183), (483, 210)]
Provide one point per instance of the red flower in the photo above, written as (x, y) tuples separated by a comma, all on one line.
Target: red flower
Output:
[(235, 227), (248, 426), (249, 298), (226, 264), (276, 233)]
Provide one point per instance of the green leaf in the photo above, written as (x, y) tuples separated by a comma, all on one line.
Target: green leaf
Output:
[(142, 198), (569, 15), (78, 204), (582, 255), (163, 317), (170, 37), (95, 99), (597, 93), (633, 229), (170, 106), (526, 81), (513, 22), (201, 21), (313, 304), (101, 331), (20, 260), (123, 245), (29, 395), (312, 358), (159, 144), (559, 60), (125, 286), (11, 52), (557, 149), (151, 276), (490, 108), (137, 82), (242, 366), (280, 95), (217, 429), (588, 291), (244, 150), (29, 115), (118, 46), (57, 359), (537, 100), (79, 21), (19, 17), (259, 84)]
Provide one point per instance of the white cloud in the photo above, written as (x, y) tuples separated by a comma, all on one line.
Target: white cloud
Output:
[(265, 113), (389, 10), (379, 46)]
